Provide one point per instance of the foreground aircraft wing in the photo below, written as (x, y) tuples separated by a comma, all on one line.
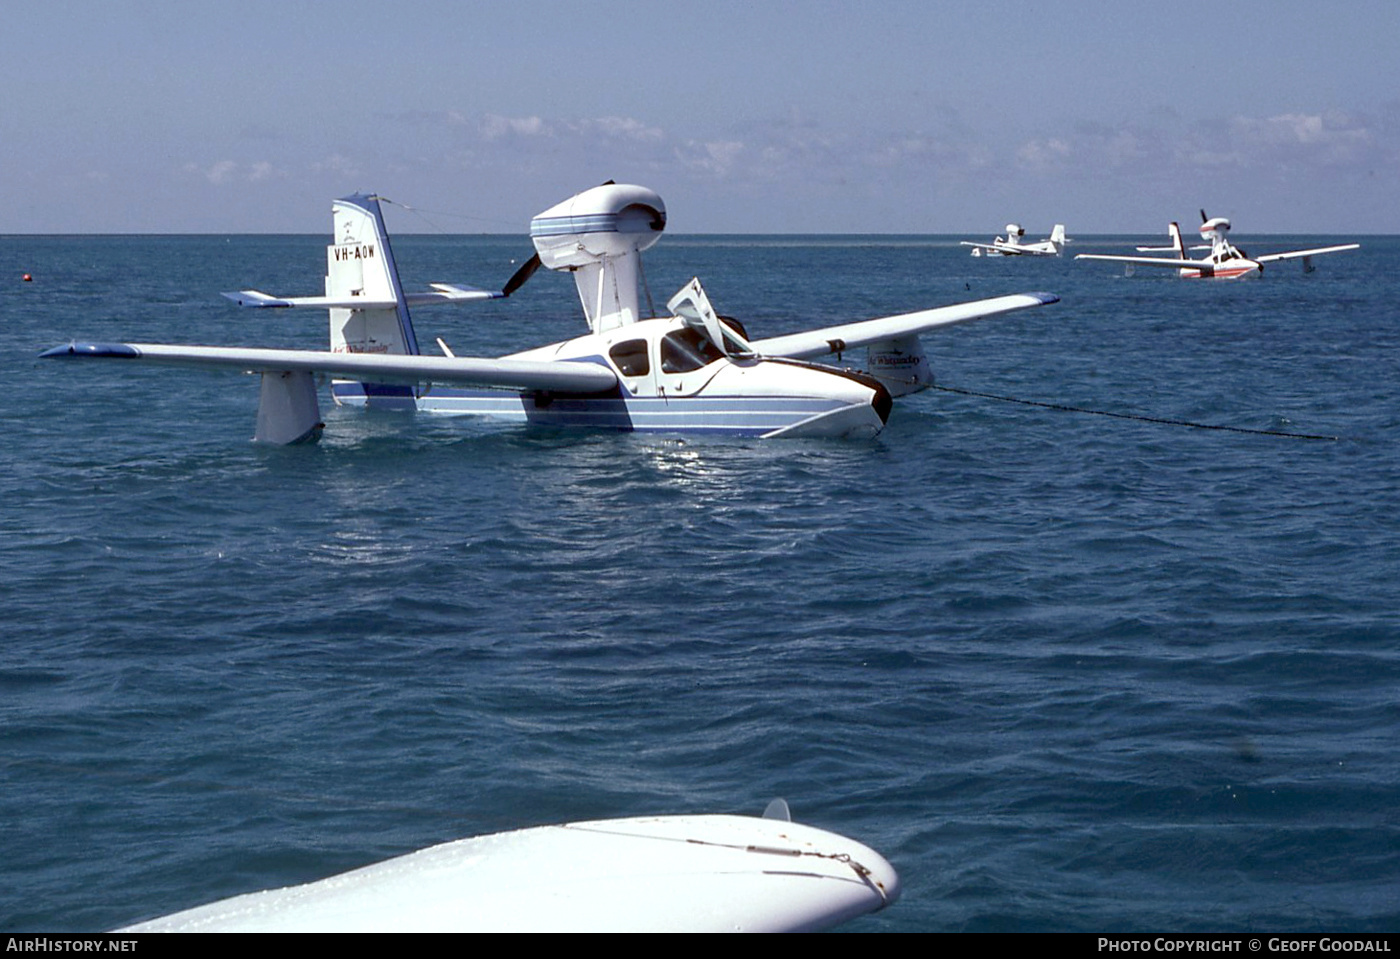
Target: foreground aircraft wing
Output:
[(561, 376), (1296, 254), (835, 339), (649, 874)]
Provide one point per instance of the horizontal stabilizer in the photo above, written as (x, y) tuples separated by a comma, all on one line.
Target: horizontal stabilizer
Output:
[(441, 293), (836, 339), (454, 293), (556, 376), (259, 300)]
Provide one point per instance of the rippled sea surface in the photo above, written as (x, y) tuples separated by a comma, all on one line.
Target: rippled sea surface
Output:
[(1065, 671)]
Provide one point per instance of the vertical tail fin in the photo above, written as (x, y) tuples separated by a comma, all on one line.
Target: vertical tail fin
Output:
[(1174, 231), (1057, 235), (360, 262)]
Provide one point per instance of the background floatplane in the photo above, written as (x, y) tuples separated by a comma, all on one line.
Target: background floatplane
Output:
[(688, 370), (1225, 261), (1011, 245)]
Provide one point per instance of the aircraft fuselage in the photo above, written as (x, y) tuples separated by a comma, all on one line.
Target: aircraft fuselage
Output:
[(671, 378)]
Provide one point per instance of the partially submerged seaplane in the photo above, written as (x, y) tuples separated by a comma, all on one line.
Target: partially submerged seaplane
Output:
[(688, 370), (1225, 261), (651, 874), (1011, 245)]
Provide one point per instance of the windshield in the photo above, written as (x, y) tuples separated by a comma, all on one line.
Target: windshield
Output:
[(687, 349)]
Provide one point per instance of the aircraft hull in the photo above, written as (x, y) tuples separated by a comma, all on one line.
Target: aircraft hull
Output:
[(1224, 273), (732, 415)]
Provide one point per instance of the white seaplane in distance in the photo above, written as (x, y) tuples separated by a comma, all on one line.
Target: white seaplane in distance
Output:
[(683, 372), (1011, 245), (1225, 261)]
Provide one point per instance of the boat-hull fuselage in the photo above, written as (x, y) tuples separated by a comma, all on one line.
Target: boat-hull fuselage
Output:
[(660, 390)]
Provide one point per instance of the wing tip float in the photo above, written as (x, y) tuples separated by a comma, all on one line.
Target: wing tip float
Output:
[(116, 351), (700, 873)]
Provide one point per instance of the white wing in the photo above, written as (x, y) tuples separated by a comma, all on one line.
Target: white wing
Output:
[(655, 874), (562, 376), (1295, 254), (1149, 261), (834, 339)]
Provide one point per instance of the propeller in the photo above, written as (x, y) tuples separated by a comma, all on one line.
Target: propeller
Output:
[(527, 270), (521, 275)]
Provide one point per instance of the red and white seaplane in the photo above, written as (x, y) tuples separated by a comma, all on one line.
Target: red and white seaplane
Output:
[(1225, 261)]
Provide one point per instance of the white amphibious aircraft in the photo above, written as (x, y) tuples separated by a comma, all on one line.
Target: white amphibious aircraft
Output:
[(685, 371), (1011, 245), (1225, 260), (653, 874)]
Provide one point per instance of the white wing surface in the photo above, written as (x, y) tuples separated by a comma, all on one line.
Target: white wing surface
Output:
[(662, 874), (1296, 254), (835, 339), (1150, 261), (562, 376)]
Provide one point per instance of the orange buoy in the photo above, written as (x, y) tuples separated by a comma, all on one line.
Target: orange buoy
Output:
[(27, 277)]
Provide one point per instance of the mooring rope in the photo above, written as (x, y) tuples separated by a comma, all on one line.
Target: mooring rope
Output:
[(1135, 416)]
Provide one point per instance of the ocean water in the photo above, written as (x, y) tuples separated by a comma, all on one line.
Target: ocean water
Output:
[(1065, 671)]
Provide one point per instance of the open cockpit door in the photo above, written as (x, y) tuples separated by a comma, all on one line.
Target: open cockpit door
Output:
[(692, 305)]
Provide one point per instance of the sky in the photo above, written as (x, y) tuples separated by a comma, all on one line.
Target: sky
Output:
[(758, 116)]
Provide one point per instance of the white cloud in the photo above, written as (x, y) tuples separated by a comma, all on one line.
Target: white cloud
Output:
[(220, 172), (1042, 154), (1331, 139), (714, 158), (494, 127), (337, 165), (228, 171), (624, 128)]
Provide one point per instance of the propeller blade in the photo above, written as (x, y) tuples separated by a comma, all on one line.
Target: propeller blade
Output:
[(521, 275), (1203, 216)]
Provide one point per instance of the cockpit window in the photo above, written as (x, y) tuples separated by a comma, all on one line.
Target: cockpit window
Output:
[(685, 350), (631, 357)]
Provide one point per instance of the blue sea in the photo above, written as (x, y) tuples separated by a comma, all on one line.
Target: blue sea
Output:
[(1065, 671)]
